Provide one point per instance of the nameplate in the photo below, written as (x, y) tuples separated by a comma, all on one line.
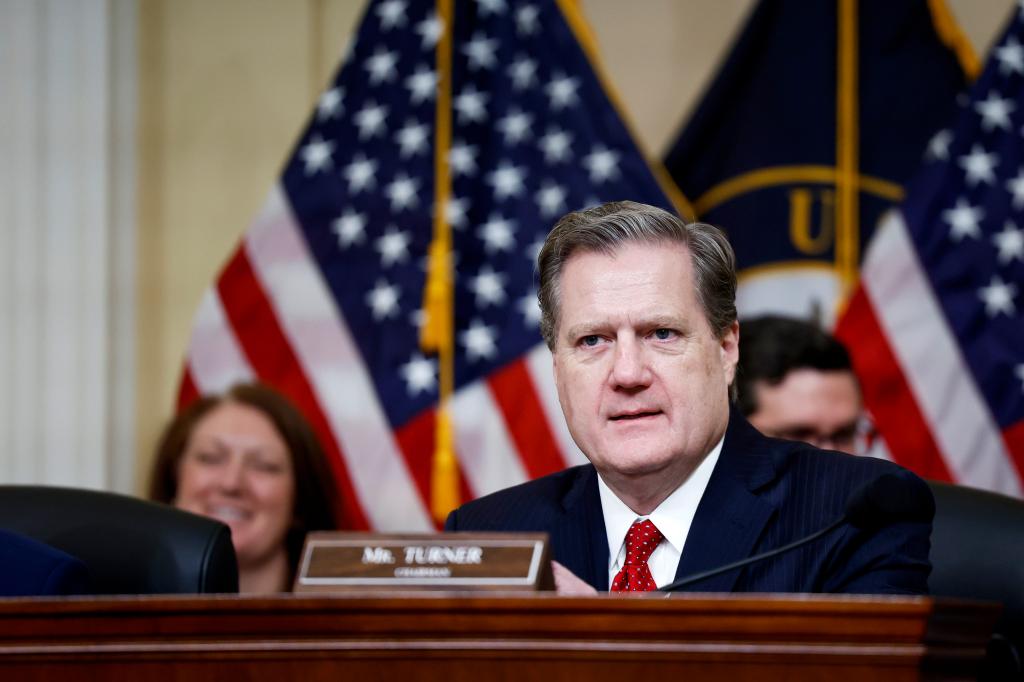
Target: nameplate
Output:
[(342, 562)]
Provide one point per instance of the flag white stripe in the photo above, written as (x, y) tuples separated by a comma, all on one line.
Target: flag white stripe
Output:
[(485, 448), (929, 356), (216, 360), (538, 363), (333, 366)]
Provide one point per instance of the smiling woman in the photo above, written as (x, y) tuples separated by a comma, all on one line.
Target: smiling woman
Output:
[(249, 459)]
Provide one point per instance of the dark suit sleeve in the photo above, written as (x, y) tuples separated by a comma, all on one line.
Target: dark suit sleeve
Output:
[(66, 577), (31, 568), (451, 524), (891, 560)]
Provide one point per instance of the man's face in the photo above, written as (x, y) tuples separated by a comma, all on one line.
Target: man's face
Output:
[(820, 408), (642, 379)]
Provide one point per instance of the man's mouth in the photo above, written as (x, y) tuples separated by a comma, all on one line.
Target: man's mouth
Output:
[(631, 416)]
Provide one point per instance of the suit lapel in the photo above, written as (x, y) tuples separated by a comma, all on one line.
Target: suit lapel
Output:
[(731, 515), (579, 534)]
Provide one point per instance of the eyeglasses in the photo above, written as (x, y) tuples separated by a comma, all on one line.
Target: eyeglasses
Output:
[(857, 438)]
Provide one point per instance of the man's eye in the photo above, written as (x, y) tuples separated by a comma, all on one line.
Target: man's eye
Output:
[(591, 340), (663, 334)]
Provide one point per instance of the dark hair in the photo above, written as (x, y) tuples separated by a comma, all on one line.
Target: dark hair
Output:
[(316, 495), (773, 346), (604, 228)]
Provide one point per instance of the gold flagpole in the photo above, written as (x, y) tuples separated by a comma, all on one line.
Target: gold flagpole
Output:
[(438, 295)]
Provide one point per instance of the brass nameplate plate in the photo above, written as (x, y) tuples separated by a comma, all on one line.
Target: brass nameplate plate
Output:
[(335, 561)]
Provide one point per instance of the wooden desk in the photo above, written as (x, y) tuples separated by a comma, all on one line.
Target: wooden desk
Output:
[(468, 637)]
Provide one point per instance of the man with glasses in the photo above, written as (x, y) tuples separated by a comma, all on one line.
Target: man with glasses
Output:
[(795, 381)]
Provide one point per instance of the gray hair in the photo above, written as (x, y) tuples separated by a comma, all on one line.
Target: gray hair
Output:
[(604, 228)]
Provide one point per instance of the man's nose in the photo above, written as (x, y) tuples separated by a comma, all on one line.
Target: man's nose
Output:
[(630, 368)]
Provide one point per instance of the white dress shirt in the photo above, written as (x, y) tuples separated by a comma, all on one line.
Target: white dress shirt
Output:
[(672, 517)]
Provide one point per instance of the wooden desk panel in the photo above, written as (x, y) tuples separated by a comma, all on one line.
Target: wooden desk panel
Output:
[(468, 637)]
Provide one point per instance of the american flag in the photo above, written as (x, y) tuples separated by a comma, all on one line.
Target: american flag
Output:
[(936, 328), (323, 298)]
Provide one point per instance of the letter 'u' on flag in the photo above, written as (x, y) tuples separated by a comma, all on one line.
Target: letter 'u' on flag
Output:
[(816, 119), (936, 327), (450, 140)]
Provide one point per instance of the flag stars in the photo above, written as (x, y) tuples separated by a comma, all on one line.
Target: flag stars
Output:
[(360, 174), (1010, 56), (998, 297), (561, 91), (382, 67), (488, 7), (602, 163), (530, 309), (507, 181), (963, 220), (471, 105), (420, 375), (383, 300), (523, 72), (462, 159), (551, 200), (1009, 243), (421, 85), (515, 126), (556, 145), (995, 112), (330, 104), (455, 212), (349, 228), (479, 341), (497, 234), (430, 31), (1016, 187), (526, 20), (370, 120), (938, 146), (533, 250), (479, 50), (488, 287), (391, 14), (979, 166), (316, 155), (393, 247), (403, 192), (412, 139)]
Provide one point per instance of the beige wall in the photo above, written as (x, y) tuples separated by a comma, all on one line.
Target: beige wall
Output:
[(225, 87)]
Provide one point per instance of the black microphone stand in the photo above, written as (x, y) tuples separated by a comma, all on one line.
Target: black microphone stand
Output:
[(697, 577)]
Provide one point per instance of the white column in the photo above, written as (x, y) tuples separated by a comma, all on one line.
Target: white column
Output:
[(66, 242)]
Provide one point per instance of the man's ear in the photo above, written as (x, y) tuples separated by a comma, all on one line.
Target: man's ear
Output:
[(729, 344)]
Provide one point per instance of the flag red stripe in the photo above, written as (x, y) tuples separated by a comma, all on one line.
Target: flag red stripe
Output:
[(1014, 439), (887, 394), (516, 396), (265, 345), (187, 392)]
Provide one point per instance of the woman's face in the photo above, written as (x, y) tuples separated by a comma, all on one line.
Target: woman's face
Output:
[(236, 468)]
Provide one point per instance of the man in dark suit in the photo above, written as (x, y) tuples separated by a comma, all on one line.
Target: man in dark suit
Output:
[(30, 568), (638, 309)]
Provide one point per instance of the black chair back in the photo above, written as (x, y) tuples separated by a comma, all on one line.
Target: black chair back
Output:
[(978, 553), (130, 546)]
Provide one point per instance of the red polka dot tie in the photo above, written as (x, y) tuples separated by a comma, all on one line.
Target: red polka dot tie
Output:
[(635, 576)]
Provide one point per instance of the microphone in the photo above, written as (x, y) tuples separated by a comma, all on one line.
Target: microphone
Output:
[(890, 498)]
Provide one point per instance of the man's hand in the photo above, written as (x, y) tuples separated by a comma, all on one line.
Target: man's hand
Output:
[(567, 583)]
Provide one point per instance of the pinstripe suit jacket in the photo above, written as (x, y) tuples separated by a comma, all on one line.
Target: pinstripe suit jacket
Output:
[(762, 494), (30, 568)]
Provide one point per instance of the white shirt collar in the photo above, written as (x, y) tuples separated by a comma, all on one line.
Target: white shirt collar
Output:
[(673, 517)]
